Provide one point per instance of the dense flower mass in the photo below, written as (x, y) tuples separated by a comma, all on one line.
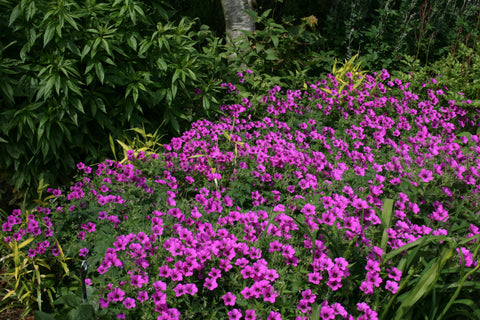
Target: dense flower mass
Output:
[(305, 210)]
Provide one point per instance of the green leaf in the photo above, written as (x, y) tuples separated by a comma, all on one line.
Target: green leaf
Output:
[(41, 127), (132, 42), (8, 91), (71, 300), (32, 36), (177, 74), (78, 105), (427, 280), (387, 215), (174, 122), (85, 51), (40, 315), (271, 54), (161, 64), (48, 35), (106, 46), (14, 15), (84, 312), (100, 71), (191, 74), (275, 41), (31, 10), (72, 22), (112, 146), (101, 105), (144, 46)]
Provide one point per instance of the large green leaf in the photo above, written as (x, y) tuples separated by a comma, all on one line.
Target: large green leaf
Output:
[(428, 278)]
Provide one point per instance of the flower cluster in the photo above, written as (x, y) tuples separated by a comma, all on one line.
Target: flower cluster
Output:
[(276, 217)]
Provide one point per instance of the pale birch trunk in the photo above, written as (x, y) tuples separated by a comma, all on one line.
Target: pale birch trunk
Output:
[(236, 19)]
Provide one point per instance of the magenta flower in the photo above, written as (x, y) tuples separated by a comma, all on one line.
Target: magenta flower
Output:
[(83, 252), (426, 175), (250, 315), (229, 299), (391, 286), (367, 287), (129, 303), (327, 313), (234, 314), (274, 316), (142, 296), (116, 294), (394, 273), (210, 284), (314, 277)]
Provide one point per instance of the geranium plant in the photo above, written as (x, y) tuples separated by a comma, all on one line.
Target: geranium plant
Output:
[(306, 204)]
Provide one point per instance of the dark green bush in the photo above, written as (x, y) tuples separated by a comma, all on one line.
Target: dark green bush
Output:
[(383, 31), (281, 54), (74, 72), (458, 72)]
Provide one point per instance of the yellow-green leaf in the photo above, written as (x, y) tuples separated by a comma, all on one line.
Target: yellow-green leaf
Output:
[(25, 243)]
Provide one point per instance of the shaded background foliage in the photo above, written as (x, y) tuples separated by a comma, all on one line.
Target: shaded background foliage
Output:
[(76, 75)]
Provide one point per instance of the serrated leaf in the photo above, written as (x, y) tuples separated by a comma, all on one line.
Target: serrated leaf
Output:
[(48, 35), (161, 64), (30, 11), (176, 75), (78, 105), (144, 46), (100, 71), (85, 51), (32, 36), (275, 41), (71, 21), (271, 54), (132, 42), (14, 15)]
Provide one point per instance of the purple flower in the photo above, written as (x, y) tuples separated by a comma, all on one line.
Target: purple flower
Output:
[(142, 296), (116, 294), (234, 314), (426, 175), (83, 252), (274, 316), (250, 315), (391, 286), (327, 313), (229, 299), (129, 303), (394, 273)]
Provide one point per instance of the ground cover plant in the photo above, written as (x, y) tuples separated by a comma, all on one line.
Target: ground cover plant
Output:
[(318, 203)]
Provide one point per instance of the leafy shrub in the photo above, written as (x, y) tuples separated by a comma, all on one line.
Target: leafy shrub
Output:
[(356, 204), (457, 73), (75, 72), (382, 32), (281, 54)]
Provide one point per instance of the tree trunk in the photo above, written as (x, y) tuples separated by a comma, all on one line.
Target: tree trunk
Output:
[(236, 19)]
